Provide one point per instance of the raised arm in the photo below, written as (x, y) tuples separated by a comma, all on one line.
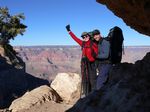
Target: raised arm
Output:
[(79, 41)]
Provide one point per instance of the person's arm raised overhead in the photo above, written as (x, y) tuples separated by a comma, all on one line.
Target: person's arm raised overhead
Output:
[(68, 28), (79, 41)]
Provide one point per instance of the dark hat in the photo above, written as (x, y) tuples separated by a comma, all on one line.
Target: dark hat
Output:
[(96, 32), (84, 34), (90, 33)]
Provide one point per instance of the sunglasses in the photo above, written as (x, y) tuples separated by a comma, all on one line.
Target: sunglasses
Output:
[(85, 36)]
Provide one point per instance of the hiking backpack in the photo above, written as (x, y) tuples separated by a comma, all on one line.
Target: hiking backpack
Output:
[(116, 44)]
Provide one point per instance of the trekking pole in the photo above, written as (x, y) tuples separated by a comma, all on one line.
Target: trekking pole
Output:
[(87, 79), (81, 87), (81, 79)]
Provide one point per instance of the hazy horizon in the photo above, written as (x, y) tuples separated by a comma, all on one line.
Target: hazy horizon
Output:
[(72, 45)]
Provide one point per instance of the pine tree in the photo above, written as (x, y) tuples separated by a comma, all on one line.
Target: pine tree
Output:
[(10, 27)]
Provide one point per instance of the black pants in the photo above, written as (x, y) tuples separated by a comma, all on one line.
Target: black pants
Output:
[(88, 71)]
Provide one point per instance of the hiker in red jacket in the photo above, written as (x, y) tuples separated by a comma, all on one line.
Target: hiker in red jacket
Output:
[(88, 67)]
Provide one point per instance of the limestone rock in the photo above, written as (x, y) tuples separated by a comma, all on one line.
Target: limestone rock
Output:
[(67, 85), (135, 13), (35, 97)]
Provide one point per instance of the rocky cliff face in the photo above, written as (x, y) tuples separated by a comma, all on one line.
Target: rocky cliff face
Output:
[(135, 13), (47, 61), (126, 91)]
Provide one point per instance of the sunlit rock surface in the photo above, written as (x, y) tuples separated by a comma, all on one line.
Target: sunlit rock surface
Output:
[(67, 85), (37, 96)]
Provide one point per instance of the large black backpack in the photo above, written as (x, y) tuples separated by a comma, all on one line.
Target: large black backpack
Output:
[(116, 44)]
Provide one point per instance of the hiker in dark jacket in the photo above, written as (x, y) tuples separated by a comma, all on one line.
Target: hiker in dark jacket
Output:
[(103, 59), (88, 68)]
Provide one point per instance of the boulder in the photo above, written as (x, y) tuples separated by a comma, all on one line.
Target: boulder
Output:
[(67, 85), (35, 97)]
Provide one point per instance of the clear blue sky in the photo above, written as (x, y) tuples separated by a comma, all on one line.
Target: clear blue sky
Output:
[(46, 21)]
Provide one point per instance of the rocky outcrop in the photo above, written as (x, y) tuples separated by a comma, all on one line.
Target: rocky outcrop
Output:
[(15, 82), (65, 88), (135, 13), (67, 85), (37, 96), (126, 91)]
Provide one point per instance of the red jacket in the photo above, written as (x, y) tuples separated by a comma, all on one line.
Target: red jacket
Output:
[(86, 51)]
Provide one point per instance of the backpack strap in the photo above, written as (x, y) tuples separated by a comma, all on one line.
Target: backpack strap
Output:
[(92, 50), (83, 45), (91, 47)]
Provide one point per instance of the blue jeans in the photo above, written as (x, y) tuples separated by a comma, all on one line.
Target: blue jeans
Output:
[(103, 74)]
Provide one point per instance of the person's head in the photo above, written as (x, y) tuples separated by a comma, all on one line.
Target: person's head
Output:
[(96, 35), (85, 36)]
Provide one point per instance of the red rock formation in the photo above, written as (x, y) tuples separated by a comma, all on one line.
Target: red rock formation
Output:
[(135, 13), (46, 62)]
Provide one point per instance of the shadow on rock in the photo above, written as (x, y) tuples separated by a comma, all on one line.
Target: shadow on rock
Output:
[(15, 82), (127, 90)]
